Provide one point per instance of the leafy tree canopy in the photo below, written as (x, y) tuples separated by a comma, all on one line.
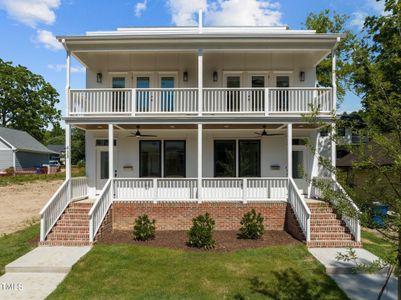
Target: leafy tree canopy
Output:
[(27, 101)]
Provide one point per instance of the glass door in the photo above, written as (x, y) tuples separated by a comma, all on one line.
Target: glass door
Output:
[(299, 168), (224, 158), (258, 96), (282, 94), (174, 159), (233, 97), (249, 158), (167, 100), (118, 96), (142, 97), (150, 159)]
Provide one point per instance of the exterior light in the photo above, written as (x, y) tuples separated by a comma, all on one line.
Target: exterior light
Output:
[(99, 77), (185, 77), (302, 76), (215, 76)]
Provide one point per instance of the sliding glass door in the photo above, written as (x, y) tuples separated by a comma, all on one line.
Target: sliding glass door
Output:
[(249, 158), (150, 158), (174, 159)]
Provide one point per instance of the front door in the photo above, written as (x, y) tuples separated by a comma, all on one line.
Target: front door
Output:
[(299, 168), (102, 166)]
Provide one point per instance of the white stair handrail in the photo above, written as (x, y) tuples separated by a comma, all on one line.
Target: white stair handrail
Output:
[(99, 209), (299, 207)]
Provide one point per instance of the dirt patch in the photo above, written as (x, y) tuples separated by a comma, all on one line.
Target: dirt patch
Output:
[(21, 203), (225, 240)]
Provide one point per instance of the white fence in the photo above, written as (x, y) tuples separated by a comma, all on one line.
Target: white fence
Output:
[(254, 101), (71, 190)]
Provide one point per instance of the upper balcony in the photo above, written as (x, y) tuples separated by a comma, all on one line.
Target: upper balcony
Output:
[(185, 101), (181, 72)]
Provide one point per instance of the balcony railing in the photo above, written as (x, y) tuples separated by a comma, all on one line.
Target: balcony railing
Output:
[(185, 101)]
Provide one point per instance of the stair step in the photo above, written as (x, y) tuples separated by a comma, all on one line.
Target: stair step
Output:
[(78, 222), (329, 229), (333, 244), (72, 216), (65, 243), (327, 236), (315, 210), (71, 229), (81, 205), (55, 236), (77, 210), (324, 216), (327, 222)]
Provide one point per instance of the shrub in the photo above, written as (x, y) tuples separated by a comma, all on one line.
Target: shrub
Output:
[(9, 171), (252, 226), (201, 233), (144, 228)]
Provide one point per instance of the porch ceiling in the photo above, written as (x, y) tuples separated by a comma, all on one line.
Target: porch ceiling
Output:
[(194, 126)]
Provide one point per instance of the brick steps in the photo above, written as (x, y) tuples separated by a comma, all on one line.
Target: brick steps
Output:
[(327, 228), (72, 229)]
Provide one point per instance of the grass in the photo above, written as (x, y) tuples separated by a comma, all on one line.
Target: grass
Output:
[(21, 179), (375, 244), (140, 272), (16, 244)]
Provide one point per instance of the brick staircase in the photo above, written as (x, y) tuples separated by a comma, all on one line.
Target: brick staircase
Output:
[(327, 228), (72, 229)]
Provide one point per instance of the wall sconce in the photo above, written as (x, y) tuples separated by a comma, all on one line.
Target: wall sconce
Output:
[(302, 76), (215, 76), (99, 77), (185, 77)]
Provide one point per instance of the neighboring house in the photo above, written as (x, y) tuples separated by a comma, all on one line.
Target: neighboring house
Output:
[(59, 153), (19, 150), (184, 120)]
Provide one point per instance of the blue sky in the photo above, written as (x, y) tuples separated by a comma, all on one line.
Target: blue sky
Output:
[(28, 27)]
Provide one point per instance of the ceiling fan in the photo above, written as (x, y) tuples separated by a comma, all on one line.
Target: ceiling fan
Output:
[(138, 134), (265, 134)]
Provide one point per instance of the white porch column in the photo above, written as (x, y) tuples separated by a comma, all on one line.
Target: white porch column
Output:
[(200, 128), (67, 151), (289, 150), (111, 151), (68, 83), (200, 81)]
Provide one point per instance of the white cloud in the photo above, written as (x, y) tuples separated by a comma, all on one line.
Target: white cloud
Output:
[(226, 12), (61, 67), (244, 13), (48, 40), (140, 7), (31, 12), (376, 6), (184, 12), (358, 19)]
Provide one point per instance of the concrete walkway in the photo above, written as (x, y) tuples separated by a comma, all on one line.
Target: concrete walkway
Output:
[(356, 286), (36, 274)]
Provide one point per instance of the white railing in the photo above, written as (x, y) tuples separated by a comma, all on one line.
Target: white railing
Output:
[(300, 208), (79, 188), (352, 223), (253, 101), (244, 100), (100, 101), (54, 209), (183, 100), (71, 190), (100, 209)]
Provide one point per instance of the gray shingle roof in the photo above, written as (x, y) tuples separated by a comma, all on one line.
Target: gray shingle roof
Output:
[(22, 140), (56, 148)]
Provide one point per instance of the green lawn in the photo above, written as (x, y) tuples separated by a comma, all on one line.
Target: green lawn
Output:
[(16, 244), (375, 244), (140, 272), (21, 179)]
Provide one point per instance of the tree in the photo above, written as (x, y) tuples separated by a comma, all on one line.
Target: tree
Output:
[(27, 101), (376, 77), (332, 22)]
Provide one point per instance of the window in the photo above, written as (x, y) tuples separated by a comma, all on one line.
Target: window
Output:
[(224, 158), (174, 159), (101, 143), (150, 158), (341, 131), (226, 162), (249, 158), (118, 96)]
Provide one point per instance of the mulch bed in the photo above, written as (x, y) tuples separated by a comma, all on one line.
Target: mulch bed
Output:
[(225, 240)]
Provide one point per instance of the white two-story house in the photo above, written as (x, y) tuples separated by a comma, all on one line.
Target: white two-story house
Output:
[(184, 120)]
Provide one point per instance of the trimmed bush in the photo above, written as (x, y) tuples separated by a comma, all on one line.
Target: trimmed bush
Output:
[(252, 226), (201, 233), (144, 228)]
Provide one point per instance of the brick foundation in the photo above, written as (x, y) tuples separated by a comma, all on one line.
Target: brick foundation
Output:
[(179, 215)]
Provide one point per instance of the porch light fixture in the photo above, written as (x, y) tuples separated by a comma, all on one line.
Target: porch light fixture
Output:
[(215, 76), (99, 77), (302, 76), (185, 77)]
